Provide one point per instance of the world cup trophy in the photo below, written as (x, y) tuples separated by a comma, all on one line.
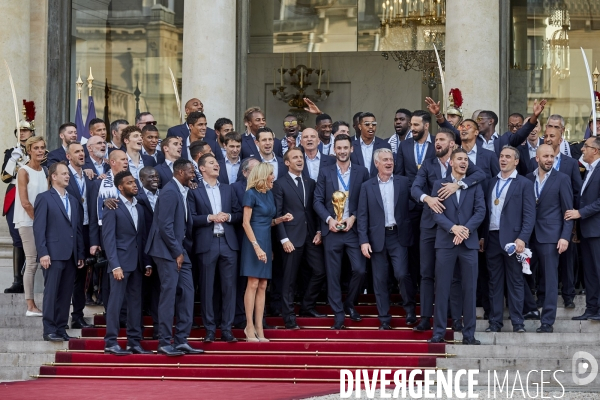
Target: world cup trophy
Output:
[(338, 199)]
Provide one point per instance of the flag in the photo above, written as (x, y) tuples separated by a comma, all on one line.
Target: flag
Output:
[(90, 116), (79, 121)]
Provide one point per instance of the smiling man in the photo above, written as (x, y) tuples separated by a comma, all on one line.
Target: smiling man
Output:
[(230, 167), (367, 143), (132, 138), (265, 140)]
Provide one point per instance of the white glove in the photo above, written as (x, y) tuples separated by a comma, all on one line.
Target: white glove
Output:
[(16, 153)]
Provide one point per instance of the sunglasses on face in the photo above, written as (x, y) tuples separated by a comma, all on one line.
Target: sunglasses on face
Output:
[(151, 123), (517, 126), (479, 119), (590, 147), (368, 124), (288, 124)]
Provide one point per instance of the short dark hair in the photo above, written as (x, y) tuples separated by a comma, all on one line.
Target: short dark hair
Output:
[(456, 151), (114, 126), (149, 128), (404, 111), (180, 164), (194, 117), (128, 131), (356, 116), (222, 121), (340, 137), (96, 121), (120, 176), (517, 154), (264, 129), (64, 127), (490, 114), (69, 145), (336, 126), (52, 171), (471, 121), (196, 148), (448, 132), (147, 170), (517, 115), (365, 115), (140, 115), (425, 116), (322, 117), (167, 141), (597, 140), (233, 135), (286, 156), (203, 158), (250, 112)]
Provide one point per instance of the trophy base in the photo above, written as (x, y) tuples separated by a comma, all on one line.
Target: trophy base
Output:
[(340, 227)]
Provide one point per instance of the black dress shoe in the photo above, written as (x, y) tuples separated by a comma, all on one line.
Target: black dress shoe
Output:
[(291, 324), (471, 341), (569, 303), (532, 315), (80, 324), (436, 339), (170, 351), (187, 349), (138, 350), (227, 336), (411, 318), (595, 317), (353, 314), (423, 326), (116, 350), (519, 328), (338, 326), (545, 328), (385, 326), (89, 301), (312, 313), (209, 337), (66, 337), (584, 317), (457, 325), (53, 337), (493, 328), (240, 325)]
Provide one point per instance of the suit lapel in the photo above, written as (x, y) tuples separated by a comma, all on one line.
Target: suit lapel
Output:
[(547, 185), (411, 154), (511, 189), (359, 155), (396, 190), (59, 202), (204, 197), (125, 211), (377, 192), (287, 178), (591, 177)]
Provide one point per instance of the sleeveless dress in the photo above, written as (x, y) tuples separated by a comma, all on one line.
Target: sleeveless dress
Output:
[(38, 183), (263, 212)]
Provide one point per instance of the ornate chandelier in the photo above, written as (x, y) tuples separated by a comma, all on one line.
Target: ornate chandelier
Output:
[(419, 60), (558, 45)]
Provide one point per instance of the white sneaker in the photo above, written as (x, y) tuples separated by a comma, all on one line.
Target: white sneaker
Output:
[(33, 314)]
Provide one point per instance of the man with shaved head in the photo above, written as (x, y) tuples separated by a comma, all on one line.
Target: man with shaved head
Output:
[(183, 130), (313, 158)]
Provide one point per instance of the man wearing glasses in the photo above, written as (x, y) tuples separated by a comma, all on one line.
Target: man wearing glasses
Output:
[(143, 119), (291, 128), (367, 143)]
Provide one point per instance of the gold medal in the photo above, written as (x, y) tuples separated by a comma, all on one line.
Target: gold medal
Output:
[(82, 200), (497, 201), (418, 166)]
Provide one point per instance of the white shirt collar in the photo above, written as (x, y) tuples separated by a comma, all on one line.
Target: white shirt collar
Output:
[(294, 176), (317, 156), (75, 172), (182, 189), (388, 181), (513, 175), (149, 193), (239, 160), (124, 200)]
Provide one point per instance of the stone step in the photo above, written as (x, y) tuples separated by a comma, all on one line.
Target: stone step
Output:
[(561, 312), (31, 346), (531, 351), (10, 360), (533, 338), (21, 321), (559, 326), (18, 373), (29, 334)]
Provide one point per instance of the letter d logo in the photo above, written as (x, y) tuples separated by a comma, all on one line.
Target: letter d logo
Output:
[(583, 363)]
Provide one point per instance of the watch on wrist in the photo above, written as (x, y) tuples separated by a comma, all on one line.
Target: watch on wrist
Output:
[(461, 184)]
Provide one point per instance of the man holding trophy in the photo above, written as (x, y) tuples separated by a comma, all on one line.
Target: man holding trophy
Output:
[(336, 204)]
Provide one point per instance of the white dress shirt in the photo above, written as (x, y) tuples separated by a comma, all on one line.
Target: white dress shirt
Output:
[(327, 148), (367, 152), (169, 164), (214, 196), (387, 195), (557, 161), (532, 150), (98, 165), (232, 169), (489, 145), (80, 181), (590, 171), (66, 203), (497, 209), (135, 169), (152, 197), (144, 152), (423, 148), (184, 191), (130, 206), (274, 163), (473, 155), (539, 186), (313, 165), (458, 191)]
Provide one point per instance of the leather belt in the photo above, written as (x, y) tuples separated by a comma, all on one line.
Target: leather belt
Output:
[(391, 228), (218, 234)]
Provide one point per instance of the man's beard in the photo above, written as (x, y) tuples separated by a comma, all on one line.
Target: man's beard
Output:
[(418, 135), (442, 153)]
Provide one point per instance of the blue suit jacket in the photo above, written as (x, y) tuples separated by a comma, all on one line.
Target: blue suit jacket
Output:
[(555, 199), (589, 206), (371, 214), (164, 172), (148, 211), (357, 156), (468, 211), (324, 161), (170, 233), (56, 235), (149, 161), (406, 164), (200, 208), (430, 172), (570, 167), (56, 155), (73, 190), (123, 244), (249, 148), (518, 213), (224, 177), (512, 139), (183, 132), (327, 183)]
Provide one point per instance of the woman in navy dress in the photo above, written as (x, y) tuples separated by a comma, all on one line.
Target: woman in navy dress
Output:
[(259, 217)]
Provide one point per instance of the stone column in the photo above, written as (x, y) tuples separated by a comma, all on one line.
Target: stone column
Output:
[(473, 52), (14, 48), (209, 62)]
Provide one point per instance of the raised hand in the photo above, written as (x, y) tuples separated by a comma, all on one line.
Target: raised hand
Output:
[(312, 107)]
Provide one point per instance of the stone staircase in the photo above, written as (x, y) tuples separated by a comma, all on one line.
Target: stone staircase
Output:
[(511, 354)]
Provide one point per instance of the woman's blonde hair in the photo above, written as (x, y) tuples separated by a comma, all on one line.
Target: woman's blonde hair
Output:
[(31, 141), (258, 176)]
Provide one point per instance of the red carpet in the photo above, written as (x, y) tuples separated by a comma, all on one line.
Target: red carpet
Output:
[(309, 358)]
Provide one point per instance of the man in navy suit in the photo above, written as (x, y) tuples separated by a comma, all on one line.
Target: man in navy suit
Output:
[(132, 138), (384, 233), (95, 158), (171, 148), (457, 241), (229, 171), (150, 144), (324, 127), (365, 146), (432, 170), (341, 236), (124, 239), (223, 126), (511, 210), (67, 133), (569, 166), (254, 119), (58, 231), (183, 130), (589, 215), (314, 160), (168, 244), (551, 234), (215, 210), (265, 140), (197, 123), (116, 127), (300, 238), (78, 188)]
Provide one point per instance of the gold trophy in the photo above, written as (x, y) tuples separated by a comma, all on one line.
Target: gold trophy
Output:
[(338, 199)]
